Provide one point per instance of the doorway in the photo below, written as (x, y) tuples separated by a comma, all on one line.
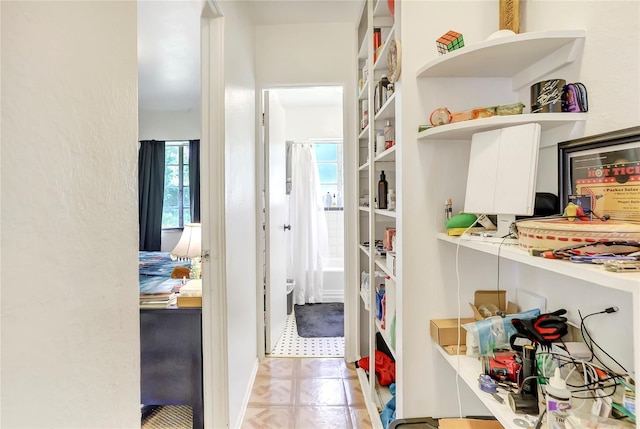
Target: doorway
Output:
[(304, 254)]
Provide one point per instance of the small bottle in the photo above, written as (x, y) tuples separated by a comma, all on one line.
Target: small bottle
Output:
[(380, 142), (448, 210), (388, 134), (391, 199), (382, 191), (558, 401)]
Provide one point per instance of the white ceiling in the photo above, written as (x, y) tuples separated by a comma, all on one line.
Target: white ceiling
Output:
[(169, 46)]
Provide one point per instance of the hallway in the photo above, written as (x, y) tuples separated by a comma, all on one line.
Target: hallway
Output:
[(306, 393)]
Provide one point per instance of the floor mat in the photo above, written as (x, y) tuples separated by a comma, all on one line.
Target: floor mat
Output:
[(291, 344), (320, 320)]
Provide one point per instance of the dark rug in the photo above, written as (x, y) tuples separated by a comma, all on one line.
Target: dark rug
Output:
[(320, 320)]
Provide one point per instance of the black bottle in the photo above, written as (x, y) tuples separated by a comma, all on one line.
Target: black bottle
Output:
[(382, 191)]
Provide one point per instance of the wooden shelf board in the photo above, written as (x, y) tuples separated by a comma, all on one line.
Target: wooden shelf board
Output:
[(372, 406), (388, 109), (469, 369), (389, 155), (501, 57), (387, 213), (626, 282), (464, 130)]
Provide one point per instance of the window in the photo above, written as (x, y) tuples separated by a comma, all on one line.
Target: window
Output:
[(176, 210), (329, 160)]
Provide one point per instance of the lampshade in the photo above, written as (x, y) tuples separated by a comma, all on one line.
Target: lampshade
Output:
[(189, 245)]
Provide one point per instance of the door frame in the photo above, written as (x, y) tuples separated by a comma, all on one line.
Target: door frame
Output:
[(350, 211), (214, 284)]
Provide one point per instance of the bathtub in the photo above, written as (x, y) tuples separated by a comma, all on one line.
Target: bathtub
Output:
[(333, 280)]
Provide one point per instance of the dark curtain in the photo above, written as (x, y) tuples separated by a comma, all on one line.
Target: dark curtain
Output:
[(150, 193), (194, 179)]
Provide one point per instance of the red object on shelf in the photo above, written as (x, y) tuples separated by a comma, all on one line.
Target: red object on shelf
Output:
[(392, 5)]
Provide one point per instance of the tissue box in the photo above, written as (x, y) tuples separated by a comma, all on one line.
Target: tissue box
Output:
[(190, 295)]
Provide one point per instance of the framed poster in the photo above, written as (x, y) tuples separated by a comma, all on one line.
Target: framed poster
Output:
[(604, 168)]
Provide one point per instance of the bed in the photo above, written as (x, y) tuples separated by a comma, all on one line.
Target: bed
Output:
[(155, 271)]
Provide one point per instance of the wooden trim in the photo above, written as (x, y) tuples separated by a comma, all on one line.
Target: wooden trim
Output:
[(214, 309)]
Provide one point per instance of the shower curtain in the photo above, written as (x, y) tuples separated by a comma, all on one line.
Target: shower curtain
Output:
[(308, 238)]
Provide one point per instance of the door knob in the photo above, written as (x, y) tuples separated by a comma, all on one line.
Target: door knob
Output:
[(287, 227)]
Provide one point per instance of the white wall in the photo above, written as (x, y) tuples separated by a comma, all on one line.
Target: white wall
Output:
[(609, 71), (240, 203), (335, 229), (70, 332), (319, 122), (169, 125)]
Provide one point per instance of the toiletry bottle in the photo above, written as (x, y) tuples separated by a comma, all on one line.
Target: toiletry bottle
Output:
[(558, 401), (382, 191), (448, 210), (388, 134)]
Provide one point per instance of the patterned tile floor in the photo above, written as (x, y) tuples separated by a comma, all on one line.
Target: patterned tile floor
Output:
[(290, 344), (306, 393)]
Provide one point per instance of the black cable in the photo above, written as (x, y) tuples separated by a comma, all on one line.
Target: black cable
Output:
[(593, 343)]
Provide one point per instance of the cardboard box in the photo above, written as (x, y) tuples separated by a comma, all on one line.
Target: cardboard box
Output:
[(444, 332), (495, 297), (469, 424)]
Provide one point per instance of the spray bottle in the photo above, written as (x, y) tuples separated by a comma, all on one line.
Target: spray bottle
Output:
[(558, 401)]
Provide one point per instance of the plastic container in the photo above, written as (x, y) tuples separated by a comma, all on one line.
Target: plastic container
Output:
[(558, 401)]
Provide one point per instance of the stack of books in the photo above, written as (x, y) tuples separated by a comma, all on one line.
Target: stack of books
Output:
[(161, 294), (157, 300)]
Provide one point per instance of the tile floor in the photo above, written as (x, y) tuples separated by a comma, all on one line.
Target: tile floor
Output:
[(291, 344), (306, 393)]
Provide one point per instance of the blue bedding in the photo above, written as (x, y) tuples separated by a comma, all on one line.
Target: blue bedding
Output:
[(155, 270)]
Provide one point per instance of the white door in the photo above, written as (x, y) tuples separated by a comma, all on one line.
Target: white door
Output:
[(275, 221)]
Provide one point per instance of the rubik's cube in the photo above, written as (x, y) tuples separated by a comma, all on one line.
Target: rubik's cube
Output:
[(450, 41)]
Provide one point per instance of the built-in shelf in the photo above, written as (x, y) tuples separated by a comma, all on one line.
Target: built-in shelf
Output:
[(364, 92), (386, 213), (388, 109), (626, 282), (364, 210), (466, 129), (523, 57), (469, 368), (385, 336), (364, 249), (364, 134), (364, 167), (381, 263), (382, 396), (381, 60), (389, 155)]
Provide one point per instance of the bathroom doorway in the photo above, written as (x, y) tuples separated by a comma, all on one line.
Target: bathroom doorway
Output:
[(313, 224)]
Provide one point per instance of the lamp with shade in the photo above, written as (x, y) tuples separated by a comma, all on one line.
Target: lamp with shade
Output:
[(189, 246)]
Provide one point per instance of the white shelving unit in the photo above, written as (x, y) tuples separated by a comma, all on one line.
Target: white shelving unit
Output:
[(511, 64), (371, 220)]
